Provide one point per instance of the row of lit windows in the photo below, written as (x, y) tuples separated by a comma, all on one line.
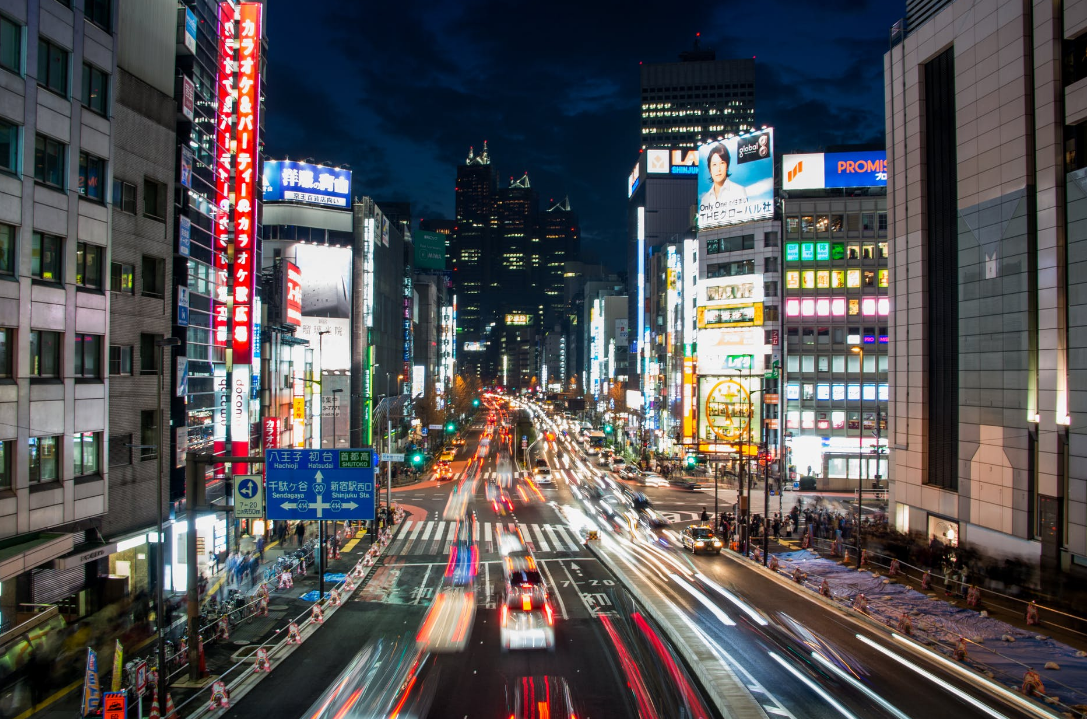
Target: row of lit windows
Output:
[(834, 279), (837, 392), (836, 307), (797, 364), (831, 251), (807, 419), (808, 225)]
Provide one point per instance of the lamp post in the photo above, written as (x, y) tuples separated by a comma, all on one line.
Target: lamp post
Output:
[(860, 453), (160, 566), (336, 417)]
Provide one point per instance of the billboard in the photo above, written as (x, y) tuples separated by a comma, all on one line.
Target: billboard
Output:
[(745, 289), (722, 317), (817, 170), (325, 301), (633, 179), (518, 319), (292, 294), (429, 250), (474, 346), (418, 380), (289, 181), (736, 180), (667, 161), (728, 411)]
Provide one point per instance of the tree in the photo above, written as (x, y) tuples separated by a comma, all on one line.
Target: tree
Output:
[(426, 407)]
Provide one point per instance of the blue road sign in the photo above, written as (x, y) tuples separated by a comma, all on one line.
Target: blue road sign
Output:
[(320, 483), (248, 488)]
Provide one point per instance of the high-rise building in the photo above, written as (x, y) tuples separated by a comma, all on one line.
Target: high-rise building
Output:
[(514, 276), (987, 161), (560, 243), (55, 232), (472, 243), (696, 99)]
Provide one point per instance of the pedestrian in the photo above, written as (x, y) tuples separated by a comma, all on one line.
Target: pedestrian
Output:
[(300, 532), (260, 546), (705, 516), (777, 527), (213, 562)]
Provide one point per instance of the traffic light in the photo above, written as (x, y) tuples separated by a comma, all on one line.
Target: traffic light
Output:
[(475, 402), (416, 459), (608, 429), (692, 460), (450, 427)]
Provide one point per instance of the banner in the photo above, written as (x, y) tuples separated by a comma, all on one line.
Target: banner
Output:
[(118, 667), (92, 693)]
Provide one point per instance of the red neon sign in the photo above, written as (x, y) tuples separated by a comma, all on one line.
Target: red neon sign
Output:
[(223, 128), (245, 178)]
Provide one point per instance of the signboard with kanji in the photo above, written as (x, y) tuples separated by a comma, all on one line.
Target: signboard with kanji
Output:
[(320, 484)]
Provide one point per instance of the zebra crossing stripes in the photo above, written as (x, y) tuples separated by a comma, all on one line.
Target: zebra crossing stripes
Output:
[(430, 537)]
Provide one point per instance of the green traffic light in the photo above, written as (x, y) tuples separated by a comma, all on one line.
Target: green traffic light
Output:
[(607, 429), (417, 458), (691, 460), (450, 427), (475, 402)]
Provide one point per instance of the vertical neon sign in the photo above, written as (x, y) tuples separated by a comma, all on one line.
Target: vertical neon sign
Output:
[(245, 176), (223, 164)]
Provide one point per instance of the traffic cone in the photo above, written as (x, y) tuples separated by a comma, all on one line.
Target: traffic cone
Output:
[(155, 714), (171, 713)]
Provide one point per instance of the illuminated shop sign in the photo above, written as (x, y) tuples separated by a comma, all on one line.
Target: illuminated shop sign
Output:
[(289, 181), (717, 317)]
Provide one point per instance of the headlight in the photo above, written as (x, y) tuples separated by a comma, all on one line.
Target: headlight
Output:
[(699, 544), (717, 542)]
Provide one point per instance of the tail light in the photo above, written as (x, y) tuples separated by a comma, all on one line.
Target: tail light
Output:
[(526, 602), (505, 613), (550, 614), (452, 561)]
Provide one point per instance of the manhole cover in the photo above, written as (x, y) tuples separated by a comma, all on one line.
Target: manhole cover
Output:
[(241, 642)]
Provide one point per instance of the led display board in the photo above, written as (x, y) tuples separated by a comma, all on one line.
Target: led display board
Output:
[(289, 181), (717, 317), (429, 250), (818, 170), (518, 319), (736, 180), (292, 294), (728, 409)]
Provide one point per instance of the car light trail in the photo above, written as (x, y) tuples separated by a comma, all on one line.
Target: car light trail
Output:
[(813, 686), (705, 601), (743, 606), (858, 685)]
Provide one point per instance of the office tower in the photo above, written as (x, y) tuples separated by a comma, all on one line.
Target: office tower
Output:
[(698, 98), (560, 243), (472, 242), (514, 274)]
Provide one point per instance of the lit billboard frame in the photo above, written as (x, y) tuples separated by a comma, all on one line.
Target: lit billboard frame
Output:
[(819, 170), (302, 182), (736, 180)]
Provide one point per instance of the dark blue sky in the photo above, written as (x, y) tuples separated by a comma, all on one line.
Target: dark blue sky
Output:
[(400, 90)]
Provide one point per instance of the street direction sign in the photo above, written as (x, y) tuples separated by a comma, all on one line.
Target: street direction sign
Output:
[(320, 483), (437, 426), (392, 456), (248, 496)]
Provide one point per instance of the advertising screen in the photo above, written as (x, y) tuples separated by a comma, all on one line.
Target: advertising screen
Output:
[(518, 319), (326, 301), (728, 410), (736, 180), (292, 295), (289, 181), (633, 179), (429, 250), (817, 170), (730, 290), (742, 316)]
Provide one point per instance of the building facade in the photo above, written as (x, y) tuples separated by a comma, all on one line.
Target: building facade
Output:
[(986, 103), (472, 242)]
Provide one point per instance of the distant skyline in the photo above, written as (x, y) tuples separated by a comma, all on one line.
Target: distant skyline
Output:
[(400, 91)]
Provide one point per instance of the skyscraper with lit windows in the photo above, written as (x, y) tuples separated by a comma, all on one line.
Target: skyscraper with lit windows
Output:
[(698, 98)]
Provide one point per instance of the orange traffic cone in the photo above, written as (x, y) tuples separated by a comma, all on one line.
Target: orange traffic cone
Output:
[(155, 714), (171, 713)]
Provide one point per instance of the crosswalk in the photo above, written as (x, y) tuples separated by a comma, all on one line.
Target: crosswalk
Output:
[(434, 537)]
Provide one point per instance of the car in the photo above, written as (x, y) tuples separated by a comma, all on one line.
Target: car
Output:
[(684, 483), (542, 475), (463, 565), (522, 574), (526, 621), (540, 697), (700, 538), (617, 463), (510, 541), (541, 462), (652, 479), (459, 442)]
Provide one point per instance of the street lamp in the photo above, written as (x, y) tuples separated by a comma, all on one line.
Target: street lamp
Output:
[(336, 417), (860, 453), (160, 566)]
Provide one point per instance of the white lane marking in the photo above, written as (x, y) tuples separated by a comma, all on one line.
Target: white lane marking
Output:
[(561, 532), (422, 586), (527, 537), (555, 589), (544, 546), (475, 532), (746, 609), (487, 582), (850, 679), (428, 530), (704, 601), (418, 528), (487, 532)]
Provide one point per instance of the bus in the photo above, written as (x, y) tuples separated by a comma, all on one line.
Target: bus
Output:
[(595, 442)]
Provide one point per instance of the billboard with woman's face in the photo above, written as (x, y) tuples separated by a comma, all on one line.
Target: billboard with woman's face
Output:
[(736, 180)]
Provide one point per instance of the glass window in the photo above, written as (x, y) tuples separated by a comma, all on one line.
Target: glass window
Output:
[(149, 435), (45, 257), (45, 353), (869, 278), (9, 146), (836, 224), (124, 196), (7, 250), (853, 222), (807, 279), (98, 12), (807, 251), (148, 354), (854, 307), (808, 335), (883, 278), (154, 199), (839, 335), (792, 224), (868, 252), (883, 363), (11, 45), (86, 453), (92, 176), (822, 279), (122, 278), (882, 250), (868, 221), (822, 391), (44, 460), (808, 391), (770, 264), (120, 359), (837, 362), (95, 89), (792, 279), (822, 251), (770, 289), (7, 454), (824, 335), (53, 67), (824, 363), (49, 161), (822, 224), (7, 352), (88, 356), (792, 391), (853, 278), (792, 363), (882, 220), (153, 281), (807, 363), (837, 279), (837, 251), (770, 313), (807, 225), (88, 265), (770, 239)]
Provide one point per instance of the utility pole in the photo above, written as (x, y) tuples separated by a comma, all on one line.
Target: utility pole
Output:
[(160, 547)]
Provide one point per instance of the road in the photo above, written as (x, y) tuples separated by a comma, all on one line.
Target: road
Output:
[(474, 682)]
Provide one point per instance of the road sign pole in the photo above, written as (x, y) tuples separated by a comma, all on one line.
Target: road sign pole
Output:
[(389, 465), (320, 559)]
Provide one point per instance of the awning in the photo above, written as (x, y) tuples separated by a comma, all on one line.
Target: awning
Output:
[(24, 552), (85, 553)]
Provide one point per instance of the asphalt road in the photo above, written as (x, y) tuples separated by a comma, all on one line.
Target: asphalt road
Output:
[(475, 682), (777, 652)]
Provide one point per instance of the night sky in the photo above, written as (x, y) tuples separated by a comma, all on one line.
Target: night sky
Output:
[(398, 91)]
